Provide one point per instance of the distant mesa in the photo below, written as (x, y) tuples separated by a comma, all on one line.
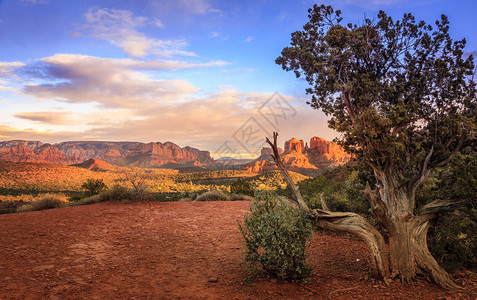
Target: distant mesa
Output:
[(310, 158), (134, 154)]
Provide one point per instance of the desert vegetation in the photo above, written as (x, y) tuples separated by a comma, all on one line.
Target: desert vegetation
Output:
[(277, 238), (23, 183)]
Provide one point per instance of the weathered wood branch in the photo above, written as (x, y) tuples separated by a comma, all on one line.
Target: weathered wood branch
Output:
[(439, 206), (378, 208), (358, 225), (324, 205), (278, 161)]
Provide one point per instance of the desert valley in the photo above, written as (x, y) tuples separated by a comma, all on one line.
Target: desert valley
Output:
[(204, 149)]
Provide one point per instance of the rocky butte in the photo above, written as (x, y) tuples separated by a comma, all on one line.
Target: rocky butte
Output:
[(310, 158)]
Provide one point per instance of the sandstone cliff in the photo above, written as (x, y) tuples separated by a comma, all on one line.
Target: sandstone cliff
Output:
[(116, 153)]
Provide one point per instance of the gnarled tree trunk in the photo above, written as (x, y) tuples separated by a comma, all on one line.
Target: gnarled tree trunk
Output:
[(393, 206)]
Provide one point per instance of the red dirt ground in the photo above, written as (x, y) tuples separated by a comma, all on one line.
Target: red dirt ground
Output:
[(181, 250)]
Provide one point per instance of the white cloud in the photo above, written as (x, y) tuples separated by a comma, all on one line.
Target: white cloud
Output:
[(204, 121), (120, 28), (249, 39), (7, 74), (7, 68), (216, 34), (108, 82), (12, 133), (158, 23), (49, 117)]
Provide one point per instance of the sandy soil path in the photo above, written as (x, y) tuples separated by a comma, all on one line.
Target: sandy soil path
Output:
[(181, 250)]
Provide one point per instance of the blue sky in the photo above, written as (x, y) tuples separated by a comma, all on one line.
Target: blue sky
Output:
[(195, 72)]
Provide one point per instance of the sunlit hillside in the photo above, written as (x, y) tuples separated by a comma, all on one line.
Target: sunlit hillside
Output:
[(24, 182)]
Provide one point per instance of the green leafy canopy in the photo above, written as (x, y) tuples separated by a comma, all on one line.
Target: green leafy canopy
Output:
[(401, 92)]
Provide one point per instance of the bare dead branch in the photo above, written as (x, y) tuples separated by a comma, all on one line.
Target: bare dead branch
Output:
[(440, 206), (278, 161), (324, 205)]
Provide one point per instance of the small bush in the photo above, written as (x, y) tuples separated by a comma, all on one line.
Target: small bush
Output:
[(76, 198), (94, 186), (139, 194), (213, 196), (234, 197), (276, 239), (89, 200), (241, 186), (116, 193), (45, 202)]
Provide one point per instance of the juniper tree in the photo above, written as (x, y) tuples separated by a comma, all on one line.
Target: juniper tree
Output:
[(403, 96)]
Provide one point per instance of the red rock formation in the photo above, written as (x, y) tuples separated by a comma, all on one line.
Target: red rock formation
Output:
[(51, 154), (294, 145), (269, 151), (22, 153), (266, 151), (156, 154), (310, 160), (96, 165), (326, 154), (319, 143), (118, 153), (17, 153), (259, 166)]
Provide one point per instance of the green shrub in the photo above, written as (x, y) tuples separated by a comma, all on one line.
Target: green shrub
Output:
[(277, 238), (234, 197), (115, 193), (45, 202), (213, 196), (452, 239), (89, 200), (76, 198), (94, 186), (241, 186)]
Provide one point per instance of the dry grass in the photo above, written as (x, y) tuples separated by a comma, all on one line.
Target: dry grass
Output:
[(213, 196), (46, 202)]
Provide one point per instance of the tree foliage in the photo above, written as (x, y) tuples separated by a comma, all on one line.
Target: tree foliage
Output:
[(404, 98), (401, 92)]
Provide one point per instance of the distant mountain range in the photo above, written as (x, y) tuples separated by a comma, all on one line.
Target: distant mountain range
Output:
[(307, 158), (116, 153)]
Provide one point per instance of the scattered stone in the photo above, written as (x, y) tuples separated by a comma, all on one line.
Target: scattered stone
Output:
[(213, 279)]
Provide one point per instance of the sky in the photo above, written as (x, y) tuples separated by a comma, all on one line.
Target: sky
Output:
[(199, 73)]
